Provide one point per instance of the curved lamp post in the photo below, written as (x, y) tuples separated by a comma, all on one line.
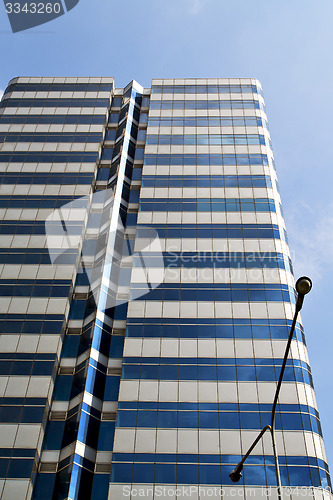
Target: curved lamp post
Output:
[(303, 286)]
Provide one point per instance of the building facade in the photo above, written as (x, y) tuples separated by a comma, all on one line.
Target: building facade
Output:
[(146, 296)]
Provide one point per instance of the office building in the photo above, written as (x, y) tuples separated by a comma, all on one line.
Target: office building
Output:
[(146, 295)]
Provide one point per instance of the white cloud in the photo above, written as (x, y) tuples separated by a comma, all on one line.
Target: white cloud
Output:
[(310, 231)]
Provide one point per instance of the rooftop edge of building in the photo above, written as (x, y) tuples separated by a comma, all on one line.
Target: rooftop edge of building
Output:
[(60, 79), (206, 81), (155, 81)]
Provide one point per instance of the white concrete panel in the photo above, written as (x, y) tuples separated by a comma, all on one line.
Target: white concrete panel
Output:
[(129, 390), (188, 441), (145, 441), (148, 390), (124, 440), (166, 441)]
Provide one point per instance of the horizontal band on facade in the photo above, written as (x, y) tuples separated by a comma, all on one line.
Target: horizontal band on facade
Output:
[(38, 111), (219, 274), (55, 103), (213, 292), (218, 372), (71, 119), (184, 195), (44, 305), (193, 309), (31, 324), (210, 121), (56, 86), (206, 159), (207, 205), (207, 140), (215, 391), (32, 227), (210, 259), (228, 407), (243, 88), (207, 104), (210, 362), (47, 201), (26, 137), (173, 331), (256, 475), (24, 414), (206, 181), (210, 252), (210, 348), (262, 322), (211, 328), (17, 468), (53, 178), (212, 458), (37, 256), (214, 229), (35, 288), (48, 157)]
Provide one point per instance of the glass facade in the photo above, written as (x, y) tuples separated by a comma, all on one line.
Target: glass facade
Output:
[(147, 293)]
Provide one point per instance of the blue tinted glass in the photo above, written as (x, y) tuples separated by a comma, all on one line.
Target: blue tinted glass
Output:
[(122, 473), (254, 475), (111, 388), (168, 373), (117, 345), (315, 477), (249, 420), (106, 435), (209, 474), (188, 419), (224, 331), (147, 419), (291, 421), (187, 474), (208, 420), (188, 372), (142, 473), (131, 371), (167, 419), (229, 420), (306, 421), (266, 373), (260, 332), (43, 486), (32, 414), (243, 331), (53, 437), (226, 372), (20, 468), (279, 332), (126, 418), (71, 345), (63, 388), (100, 486), (207, 373), (299, 476), (165, 473)]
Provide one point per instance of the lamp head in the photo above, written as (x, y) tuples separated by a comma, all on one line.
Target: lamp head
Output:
[(303, 285), (236, 474)]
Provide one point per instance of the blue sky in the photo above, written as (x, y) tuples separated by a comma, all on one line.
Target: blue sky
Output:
[(286, 45)]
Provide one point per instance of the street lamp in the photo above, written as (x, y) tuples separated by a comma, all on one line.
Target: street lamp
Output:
[(303, 286)]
